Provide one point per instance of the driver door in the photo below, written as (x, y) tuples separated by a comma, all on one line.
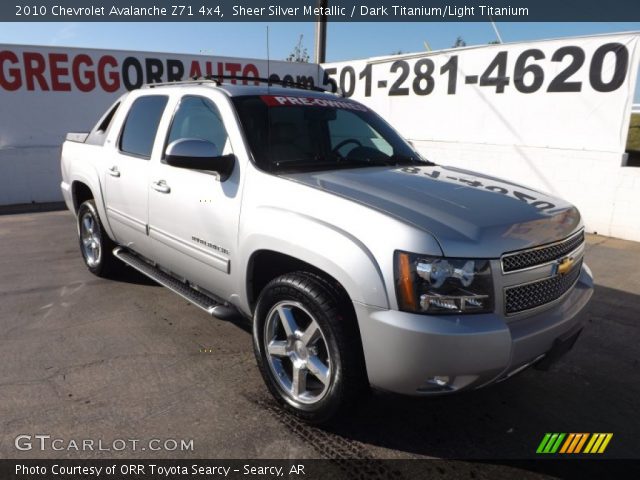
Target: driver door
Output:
[(193, 216)]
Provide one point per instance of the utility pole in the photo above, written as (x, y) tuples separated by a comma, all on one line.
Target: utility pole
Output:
[(495, 29), (321, 32)]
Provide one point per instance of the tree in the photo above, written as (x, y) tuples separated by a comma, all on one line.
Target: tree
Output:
[(459, 43), (299, 53)]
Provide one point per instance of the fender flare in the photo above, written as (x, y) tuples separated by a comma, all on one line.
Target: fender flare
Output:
[(324, 246), (98, 196)]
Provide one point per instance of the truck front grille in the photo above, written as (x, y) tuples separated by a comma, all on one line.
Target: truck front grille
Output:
[(512, 262), (535, 294)]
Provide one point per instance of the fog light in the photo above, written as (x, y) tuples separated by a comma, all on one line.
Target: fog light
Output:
[(437, 383), (448, 303), (461, 303), (441, 381)]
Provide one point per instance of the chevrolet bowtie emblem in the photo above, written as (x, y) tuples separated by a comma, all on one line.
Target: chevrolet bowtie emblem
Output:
[(564, 265)]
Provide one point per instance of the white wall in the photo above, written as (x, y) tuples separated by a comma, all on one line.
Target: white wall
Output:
[(30, 174)]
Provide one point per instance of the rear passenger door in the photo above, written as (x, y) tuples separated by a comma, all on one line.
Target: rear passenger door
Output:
[(127, 173), (193, 216)]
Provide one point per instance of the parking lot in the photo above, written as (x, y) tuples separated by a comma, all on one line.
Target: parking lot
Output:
[(87, 358)]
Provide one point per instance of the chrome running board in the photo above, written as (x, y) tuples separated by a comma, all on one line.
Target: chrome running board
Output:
[(210, 305)]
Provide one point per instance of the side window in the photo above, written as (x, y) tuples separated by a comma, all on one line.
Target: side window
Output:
[(106, 121), (141, 125), (98, 135), (198, 117)]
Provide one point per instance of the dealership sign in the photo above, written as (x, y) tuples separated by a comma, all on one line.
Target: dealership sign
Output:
[(48, 91), (569, 93), (62, 71)]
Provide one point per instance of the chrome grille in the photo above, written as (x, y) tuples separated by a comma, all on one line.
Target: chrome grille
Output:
[(534, 294), (540, 255)]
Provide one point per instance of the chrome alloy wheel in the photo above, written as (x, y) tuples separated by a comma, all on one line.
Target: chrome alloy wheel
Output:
[(90, 239), (297, 352)]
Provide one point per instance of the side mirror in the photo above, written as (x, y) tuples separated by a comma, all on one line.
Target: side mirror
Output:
[(196, 154)]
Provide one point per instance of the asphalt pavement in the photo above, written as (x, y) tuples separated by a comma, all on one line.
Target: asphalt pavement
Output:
[(82, 358)]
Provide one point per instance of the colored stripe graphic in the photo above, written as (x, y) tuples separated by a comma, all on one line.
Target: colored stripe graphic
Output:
[(556, 445), (572, 443), (581, 443), (550, 443), (591, 442), (547, 448), (608, 438), (543, 443), (576, 439), (567, 442), (598, 442)]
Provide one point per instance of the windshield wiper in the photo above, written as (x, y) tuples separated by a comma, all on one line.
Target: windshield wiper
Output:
[(397, 159), (339, 162), (393, 161)]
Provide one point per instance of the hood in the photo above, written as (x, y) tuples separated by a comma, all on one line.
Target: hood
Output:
[(469, 214)]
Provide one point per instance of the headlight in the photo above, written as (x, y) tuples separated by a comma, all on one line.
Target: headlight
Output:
[(442, 285)]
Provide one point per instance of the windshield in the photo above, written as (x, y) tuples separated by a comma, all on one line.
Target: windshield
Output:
[(295, 133)]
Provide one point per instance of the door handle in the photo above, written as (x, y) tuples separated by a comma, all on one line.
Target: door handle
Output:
[(161, 186), (114, 172)]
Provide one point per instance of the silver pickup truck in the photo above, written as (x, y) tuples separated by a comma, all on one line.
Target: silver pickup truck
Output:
[(359, 263)]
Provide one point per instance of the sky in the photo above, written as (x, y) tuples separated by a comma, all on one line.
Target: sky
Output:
[(345, 41)]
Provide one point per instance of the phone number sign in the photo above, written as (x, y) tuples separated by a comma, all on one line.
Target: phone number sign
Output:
[(521, 94)]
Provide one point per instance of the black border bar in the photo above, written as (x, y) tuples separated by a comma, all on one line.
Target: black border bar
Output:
[(334, 469), (306, 10)]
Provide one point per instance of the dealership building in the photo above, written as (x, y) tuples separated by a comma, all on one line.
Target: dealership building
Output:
[(553, 115)]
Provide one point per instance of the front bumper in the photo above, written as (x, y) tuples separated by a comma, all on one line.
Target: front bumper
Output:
[(424, 354)]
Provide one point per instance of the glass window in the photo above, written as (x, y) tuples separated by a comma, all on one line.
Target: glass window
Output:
[(294, 133), (139, 131), (199, 118), (106, 121), (348, 130), (98, 135)]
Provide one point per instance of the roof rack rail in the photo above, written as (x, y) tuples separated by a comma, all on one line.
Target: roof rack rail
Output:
[(218, 80), (193, 81)]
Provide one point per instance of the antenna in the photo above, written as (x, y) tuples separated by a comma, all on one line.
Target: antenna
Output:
[(268, 59), (269, 150)]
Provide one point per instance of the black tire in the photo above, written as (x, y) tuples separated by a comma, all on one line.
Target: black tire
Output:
[(102, 264), (340, 344)]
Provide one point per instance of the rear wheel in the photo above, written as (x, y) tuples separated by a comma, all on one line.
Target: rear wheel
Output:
[(307, 347), (95, 244)]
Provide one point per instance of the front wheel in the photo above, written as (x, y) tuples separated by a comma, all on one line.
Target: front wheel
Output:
[(308, 347), (95, 244)]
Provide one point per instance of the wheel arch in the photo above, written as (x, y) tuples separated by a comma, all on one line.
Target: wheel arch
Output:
[(353, 271), (82, 190), (264, 265)]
